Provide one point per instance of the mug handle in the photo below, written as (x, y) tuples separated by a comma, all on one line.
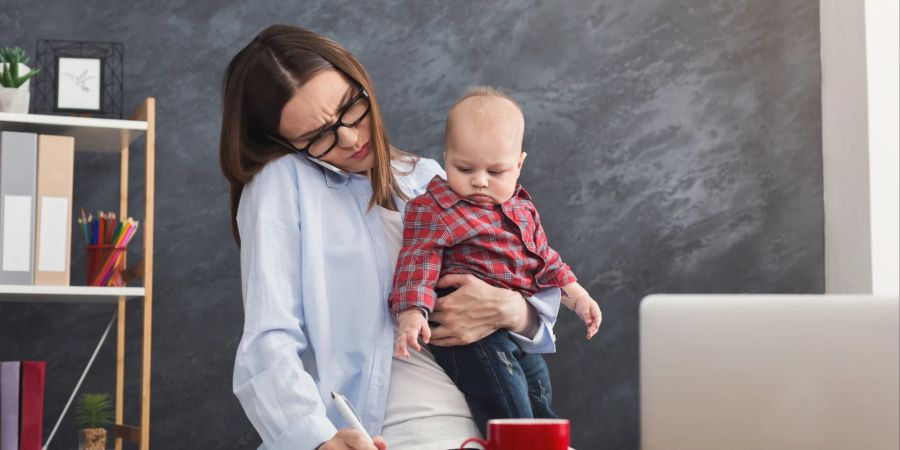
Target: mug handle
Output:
[(481, 442)]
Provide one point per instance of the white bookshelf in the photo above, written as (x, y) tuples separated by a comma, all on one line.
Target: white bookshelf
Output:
[(67, 294), (91, 134), (114, 137)]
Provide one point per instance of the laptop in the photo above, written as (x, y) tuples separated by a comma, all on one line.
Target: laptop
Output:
[(735, 372)]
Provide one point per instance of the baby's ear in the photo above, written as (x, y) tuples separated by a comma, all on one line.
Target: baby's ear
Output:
[(522, 159)]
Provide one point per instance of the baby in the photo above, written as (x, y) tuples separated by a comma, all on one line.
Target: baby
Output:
[(480, 221)]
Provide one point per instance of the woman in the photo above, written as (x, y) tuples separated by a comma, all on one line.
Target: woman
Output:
[(315, 194)]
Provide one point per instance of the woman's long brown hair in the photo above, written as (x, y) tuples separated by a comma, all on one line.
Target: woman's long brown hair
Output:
[(260, 80)]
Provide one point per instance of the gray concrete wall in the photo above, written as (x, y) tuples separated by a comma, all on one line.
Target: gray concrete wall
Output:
[(673, 147)]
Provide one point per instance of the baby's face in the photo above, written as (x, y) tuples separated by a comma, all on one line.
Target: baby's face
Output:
[(483, 163)]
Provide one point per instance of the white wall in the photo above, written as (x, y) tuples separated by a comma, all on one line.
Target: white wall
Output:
[(883, 76), (845, 160), (859, 145)]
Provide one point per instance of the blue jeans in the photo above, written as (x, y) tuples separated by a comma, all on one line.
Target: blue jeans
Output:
[(499, 380)]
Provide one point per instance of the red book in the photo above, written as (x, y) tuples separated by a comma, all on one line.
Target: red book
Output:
[(32, 414)]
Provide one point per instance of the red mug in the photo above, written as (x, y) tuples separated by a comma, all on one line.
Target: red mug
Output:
[(525, 434)]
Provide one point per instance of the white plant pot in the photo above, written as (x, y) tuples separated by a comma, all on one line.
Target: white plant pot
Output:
[(15, 100)]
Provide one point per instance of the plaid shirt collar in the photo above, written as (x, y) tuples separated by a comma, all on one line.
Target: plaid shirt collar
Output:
[(447, 198)]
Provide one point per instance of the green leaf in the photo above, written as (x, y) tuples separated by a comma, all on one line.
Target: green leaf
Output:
[(12, 56), (94, 411), (6, 79), (26, 77), (20, 54), (8, 54)]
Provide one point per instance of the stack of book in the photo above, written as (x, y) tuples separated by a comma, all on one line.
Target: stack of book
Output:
[(21, 404), (36, 173)]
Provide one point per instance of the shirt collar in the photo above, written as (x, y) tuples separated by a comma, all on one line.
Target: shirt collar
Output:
[(333, 179), (447, 198)]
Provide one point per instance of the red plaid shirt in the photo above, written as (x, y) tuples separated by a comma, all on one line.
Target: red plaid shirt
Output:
[(446, 233)]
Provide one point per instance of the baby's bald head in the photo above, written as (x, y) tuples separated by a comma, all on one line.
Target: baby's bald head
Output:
[(483, 146), (484, 114)]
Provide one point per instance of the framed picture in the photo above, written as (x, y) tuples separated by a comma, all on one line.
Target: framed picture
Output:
[(78, 82), (78, 78)]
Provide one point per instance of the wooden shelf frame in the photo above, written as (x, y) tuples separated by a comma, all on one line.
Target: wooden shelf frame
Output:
[(146, 112)]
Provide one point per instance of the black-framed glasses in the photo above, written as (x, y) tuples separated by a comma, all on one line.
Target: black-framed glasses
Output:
[(324, 141)]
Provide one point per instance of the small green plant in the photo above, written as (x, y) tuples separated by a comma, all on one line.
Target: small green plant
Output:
[(10, 57), (94, 411)]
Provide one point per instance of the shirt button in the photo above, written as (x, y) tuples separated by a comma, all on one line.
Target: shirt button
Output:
[(379, 380)]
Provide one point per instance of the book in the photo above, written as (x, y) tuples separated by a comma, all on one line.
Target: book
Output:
[(31, 415), (9, 405), (53, 228), (18, 170)]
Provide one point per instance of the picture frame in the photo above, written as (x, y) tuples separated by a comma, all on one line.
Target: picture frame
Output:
[(79, 78)]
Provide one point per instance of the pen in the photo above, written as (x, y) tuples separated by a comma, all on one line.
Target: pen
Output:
[(349, 414)]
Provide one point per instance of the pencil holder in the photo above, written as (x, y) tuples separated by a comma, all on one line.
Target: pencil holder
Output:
[(105, 264)]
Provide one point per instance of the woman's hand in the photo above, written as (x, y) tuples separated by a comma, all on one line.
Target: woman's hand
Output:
[(350, 439), (477, 309)]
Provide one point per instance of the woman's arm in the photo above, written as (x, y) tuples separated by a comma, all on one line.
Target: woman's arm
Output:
[(278, 395), (477, 309)]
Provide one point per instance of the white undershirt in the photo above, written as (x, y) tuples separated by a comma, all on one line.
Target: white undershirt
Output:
[(425, 410)]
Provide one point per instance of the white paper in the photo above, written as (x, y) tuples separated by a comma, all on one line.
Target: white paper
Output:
[(17, 233), (52, 248), (78, 84)]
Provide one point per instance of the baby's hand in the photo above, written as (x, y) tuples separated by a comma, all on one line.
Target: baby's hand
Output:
[(589, 311), (412, 325)]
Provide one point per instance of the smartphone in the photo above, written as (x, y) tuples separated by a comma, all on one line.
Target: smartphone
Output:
[(325, 164)]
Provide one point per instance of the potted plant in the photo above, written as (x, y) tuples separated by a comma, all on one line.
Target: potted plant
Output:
[(14, 76), (93, 413)]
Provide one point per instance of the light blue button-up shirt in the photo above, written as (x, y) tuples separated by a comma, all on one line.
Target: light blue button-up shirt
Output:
[(315, 279)]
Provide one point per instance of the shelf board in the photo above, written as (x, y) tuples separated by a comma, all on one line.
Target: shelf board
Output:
[(66, 294), (91, 134)]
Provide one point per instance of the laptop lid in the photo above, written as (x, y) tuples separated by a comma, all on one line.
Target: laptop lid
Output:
[(769, 372)]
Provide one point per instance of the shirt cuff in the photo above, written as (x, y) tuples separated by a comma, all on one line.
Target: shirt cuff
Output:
[(313, 432), (543, 341), (546, 304)]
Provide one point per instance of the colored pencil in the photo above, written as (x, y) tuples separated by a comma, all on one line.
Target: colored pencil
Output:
[(119, 242)]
